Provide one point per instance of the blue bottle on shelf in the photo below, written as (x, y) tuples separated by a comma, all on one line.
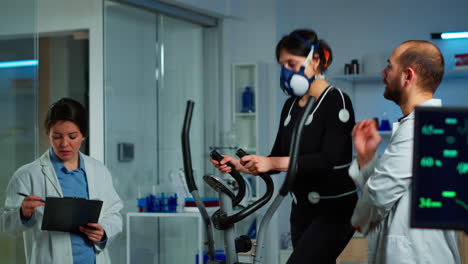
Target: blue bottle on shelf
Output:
[(248, 100)]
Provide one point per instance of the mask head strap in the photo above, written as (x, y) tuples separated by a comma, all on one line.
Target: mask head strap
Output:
[(311, 46), (326, 54)]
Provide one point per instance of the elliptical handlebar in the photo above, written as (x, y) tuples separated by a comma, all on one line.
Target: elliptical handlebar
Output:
[(241, 153), (186, 147), (188, 169), (223, 221), (236, 175)]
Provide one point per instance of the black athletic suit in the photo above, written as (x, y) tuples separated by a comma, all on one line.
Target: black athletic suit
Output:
[(320, 231)]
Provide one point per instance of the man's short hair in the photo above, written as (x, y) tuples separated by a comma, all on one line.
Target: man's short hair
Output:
[(427, 61)]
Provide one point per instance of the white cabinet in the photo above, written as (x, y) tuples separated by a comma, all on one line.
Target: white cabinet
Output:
[(164, 238)]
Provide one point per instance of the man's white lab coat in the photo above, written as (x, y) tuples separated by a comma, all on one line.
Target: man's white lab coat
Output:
[(383, 210)]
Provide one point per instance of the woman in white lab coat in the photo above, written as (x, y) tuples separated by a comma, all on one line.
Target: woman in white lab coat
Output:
[(62, 171)]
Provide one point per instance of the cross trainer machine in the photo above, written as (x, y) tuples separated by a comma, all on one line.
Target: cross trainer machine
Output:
[(225, 218)]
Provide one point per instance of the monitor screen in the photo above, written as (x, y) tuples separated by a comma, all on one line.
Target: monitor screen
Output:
[(440, 168)]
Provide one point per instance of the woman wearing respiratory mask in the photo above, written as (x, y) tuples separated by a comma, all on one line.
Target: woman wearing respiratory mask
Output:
[(323, 194)]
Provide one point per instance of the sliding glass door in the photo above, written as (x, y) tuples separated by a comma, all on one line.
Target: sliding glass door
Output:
[(153, 64), (18, 97)]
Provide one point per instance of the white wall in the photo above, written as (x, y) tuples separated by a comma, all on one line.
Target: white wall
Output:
[(10, 12)]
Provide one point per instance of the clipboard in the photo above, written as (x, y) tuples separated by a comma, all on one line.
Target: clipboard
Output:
[(67, 214)]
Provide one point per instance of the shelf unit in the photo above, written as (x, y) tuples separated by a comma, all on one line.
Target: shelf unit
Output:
[(359, 85), (245, 124), (354, 78), (385, 133)]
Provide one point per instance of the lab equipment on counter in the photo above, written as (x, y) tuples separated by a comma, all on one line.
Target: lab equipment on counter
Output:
[(191, 206), (162, 202), (178, 185)]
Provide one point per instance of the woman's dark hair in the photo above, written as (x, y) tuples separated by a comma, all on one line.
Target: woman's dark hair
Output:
[(67, 109), (298, 43)]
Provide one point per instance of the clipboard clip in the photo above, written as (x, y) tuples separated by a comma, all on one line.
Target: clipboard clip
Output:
[(72, 197)]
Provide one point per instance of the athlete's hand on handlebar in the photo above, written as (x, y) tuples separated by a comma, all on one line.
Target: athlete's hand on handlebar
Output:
[(224, 168), (256, 164)]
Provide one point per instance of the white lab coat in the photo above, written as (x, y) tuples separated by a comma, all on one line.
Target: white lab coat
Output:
[(39, 178), (383, 210)]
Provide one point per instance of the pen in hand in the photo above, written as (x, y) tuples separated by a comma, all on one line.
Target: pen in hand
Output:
[(25, 195)]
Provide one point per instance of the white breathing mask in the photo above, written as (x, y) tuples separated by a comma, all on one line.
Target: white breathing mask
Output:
[(296, 83)]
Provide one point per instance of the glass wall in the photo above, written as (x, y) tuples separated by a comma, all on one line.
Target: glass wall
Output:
[(18, 100), (153, 64)]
